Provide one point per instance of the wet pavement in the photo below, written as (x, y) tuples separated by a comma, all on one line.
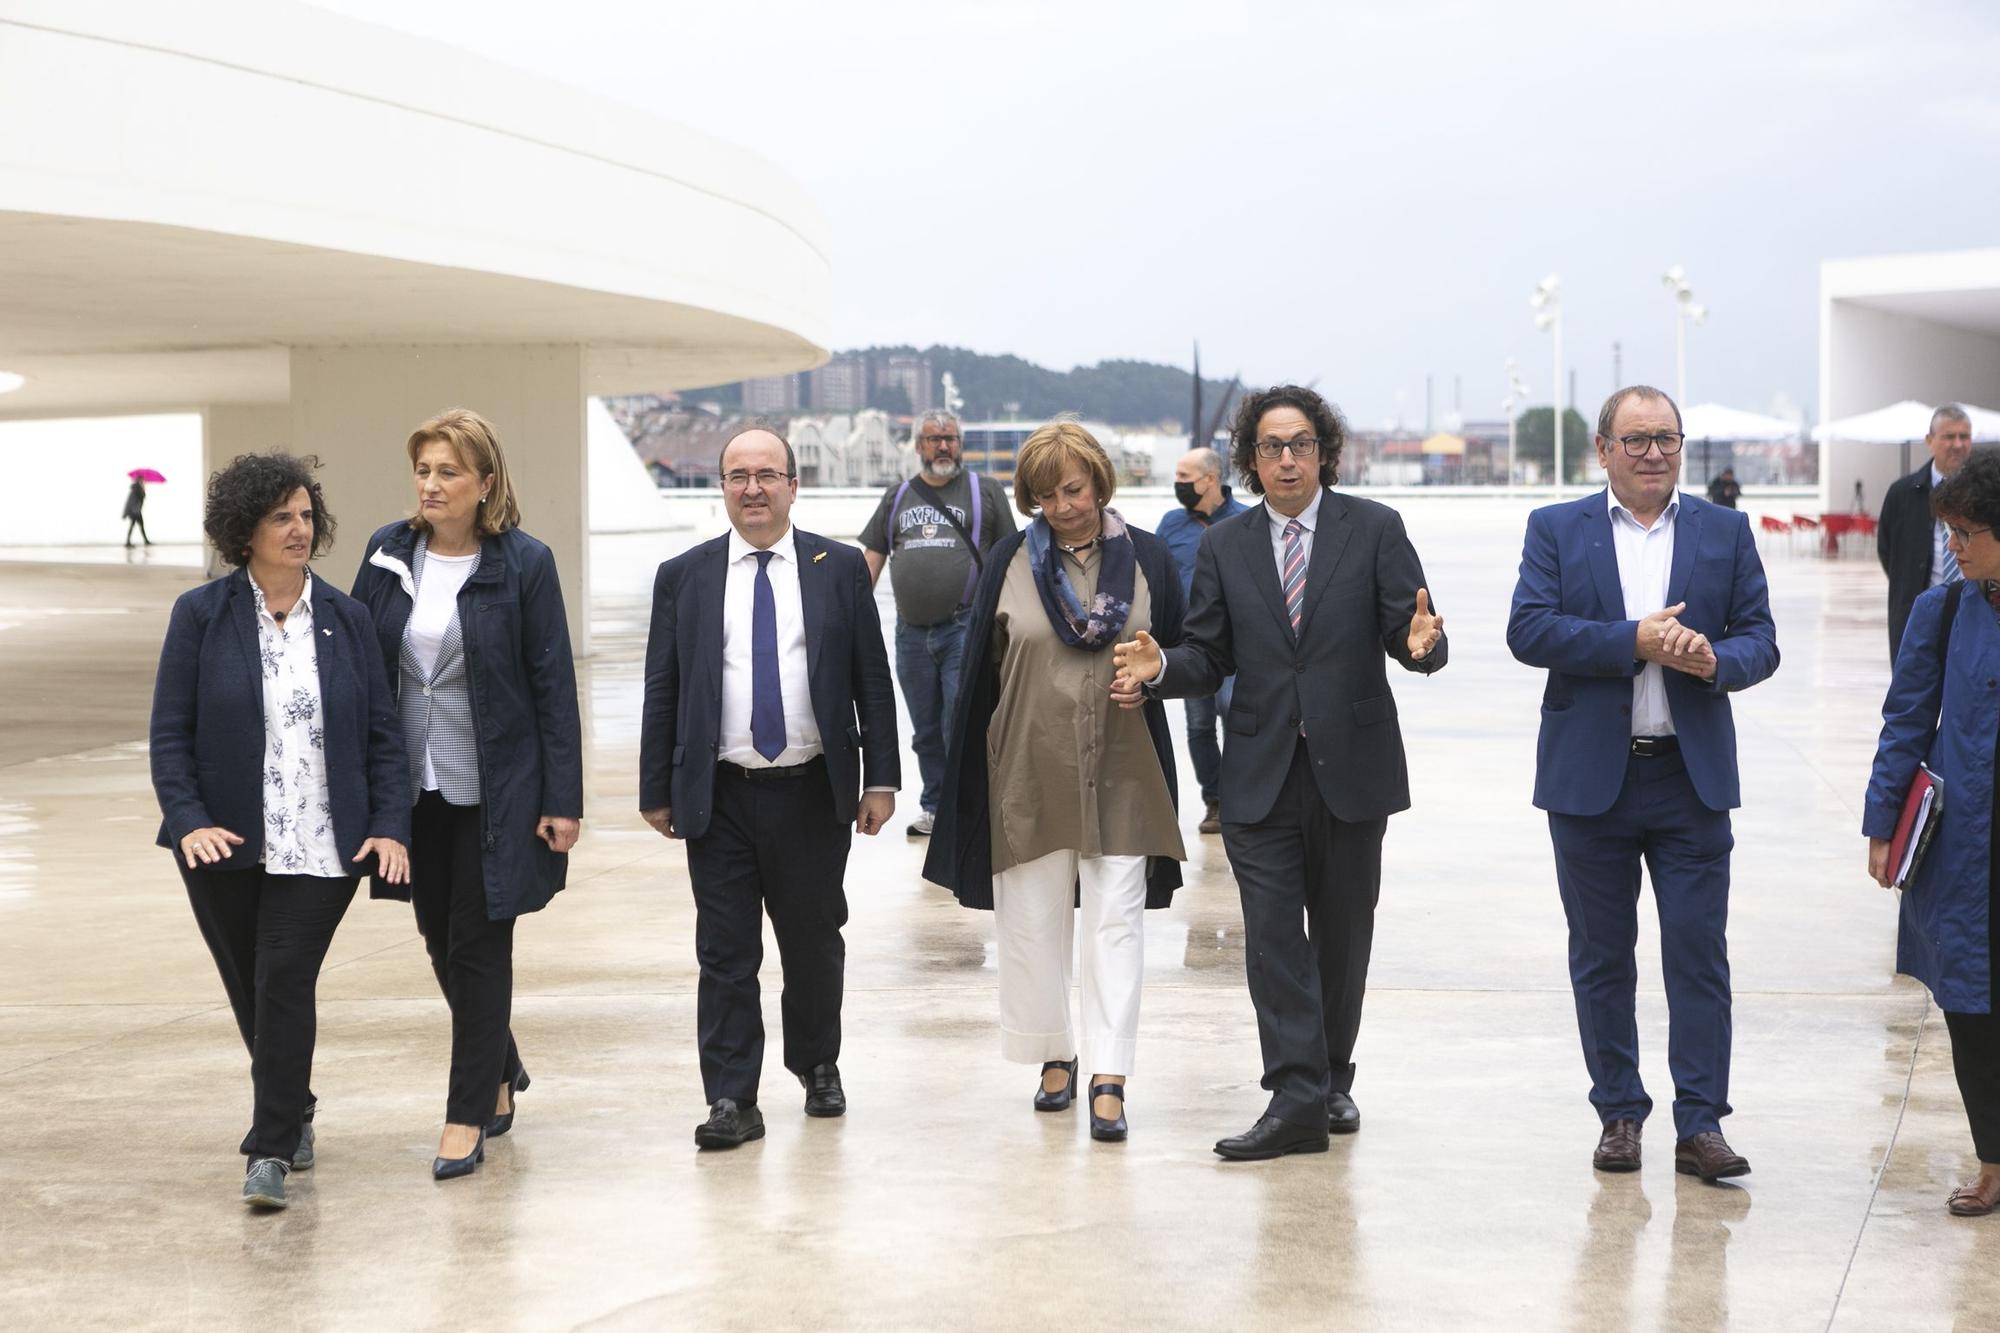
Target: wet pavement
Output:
[(942, 1199)]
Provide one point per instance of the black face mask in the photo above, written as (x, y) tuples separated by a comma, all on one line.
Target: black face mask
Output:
[(1184, 492)]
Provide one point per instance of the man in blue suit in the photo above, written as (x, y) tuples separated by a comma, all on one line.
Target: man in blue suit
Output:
[(768, 703), (1648, 607)]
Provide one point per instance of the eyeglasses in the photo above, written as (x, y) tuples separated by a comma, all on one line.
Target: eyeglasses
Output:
[(765, 479), (1635, 446), (940, 439), (1964, 535), (1303, 447)]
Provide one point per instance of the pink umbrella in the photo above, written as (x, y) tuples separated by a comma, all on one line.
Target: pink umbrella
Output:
[(145, 474)]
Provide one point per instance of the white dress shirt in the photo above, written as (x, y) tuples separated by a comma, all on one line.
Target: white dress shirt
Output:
[(739, 591), (1309, 520), (1645, 564), (298, 808)]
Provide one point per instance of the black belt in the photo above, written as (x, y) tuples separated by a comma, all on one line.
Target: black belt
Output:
[(773, 774), (1652, 747)]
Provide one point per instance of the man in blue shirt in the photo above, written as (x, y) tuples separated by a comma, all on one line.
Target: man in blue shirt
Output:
[(1205, 499)]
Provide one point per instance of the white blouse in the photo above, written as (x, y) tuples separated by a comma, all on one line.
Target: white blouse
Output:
[(298, 807)]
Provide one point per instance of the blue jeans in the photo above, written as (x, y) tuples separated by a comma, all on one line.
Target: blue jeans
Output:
[(1204, 746), (927, 668)]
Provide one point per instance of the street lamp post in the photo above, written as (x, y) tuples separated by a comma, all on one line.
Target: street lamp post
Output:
[(1517, 395), (1676, 282), (1547, 302)]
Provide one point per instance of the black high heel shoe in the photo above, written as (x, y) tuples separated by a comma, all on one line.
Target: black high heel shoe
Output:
[(451, 1168), (1056, 1101), (500, 1124), (1107, 1131)]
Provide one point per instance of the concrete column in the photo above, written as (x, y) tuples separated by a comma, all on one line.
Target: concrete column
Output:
[(231, 429), (355, 407)]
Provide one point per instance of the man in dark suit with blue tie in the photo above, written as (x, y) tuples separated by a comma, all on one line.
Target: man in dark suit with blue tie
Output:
[(1648, 607), (768, 702)]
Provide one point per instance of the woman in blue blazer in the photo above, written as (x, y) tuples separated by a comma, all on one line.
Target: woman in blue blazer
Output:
[(279, 769), (1942, 709), (471, 627)]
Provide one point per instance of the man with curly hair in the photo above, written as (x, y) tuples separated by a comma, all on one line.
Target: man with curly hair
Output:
[(1301, 598)]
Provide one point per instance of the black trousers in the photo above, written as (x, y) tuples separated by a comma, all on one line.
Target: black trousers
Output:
[(471, 954), (136, 522), (268, 935), (772, 844), (1975, 1058), (1309, 884)]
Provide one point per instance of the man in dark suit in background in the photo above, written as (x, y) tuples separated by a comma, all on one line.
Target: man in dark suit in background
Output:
[(1648, 608), (1301, 598), (1909, 540), (768, 696)]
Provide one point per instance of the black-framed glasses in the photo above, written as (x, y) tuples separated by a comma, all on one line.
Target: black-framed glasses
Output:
[(940, 439), (1964, 535), (1303, 447), (1667, 441), (766, 478)]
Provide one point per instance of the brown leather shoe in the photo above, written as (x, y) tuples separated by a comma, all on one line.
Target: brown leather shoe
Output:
[(1709, 1156), (1617, 1147), (1970, 1201), (1211, 818)]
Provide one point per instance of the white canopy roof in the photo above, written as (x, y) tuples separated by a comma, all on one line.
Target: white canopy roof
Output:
[(1903, 423), (1713, 421)]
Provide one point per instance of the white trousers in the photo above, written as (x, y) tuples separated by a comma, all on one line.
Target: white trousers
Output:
[(1034, 921)]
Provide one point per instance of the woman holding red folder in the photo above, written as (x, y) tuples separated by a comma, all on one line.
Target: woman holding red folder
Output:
[(1943, 710)]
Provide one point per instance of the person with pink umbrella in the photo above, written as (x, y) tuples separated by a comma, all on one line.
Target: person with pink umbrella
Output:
[(135, 503)]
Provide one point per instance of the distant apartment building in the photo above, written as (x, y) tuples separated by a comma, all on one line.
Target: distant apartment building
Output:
[(860, 449), (912, 374), (775, 393), (841, 385)]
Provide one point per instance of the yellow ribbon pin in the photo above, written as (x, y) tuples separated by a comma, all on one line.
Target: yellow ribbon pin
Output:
[(821, 556)]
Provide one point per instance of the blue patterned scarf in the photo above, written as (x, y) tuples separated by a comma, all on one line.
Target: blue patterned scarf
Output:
[(1100, 625)]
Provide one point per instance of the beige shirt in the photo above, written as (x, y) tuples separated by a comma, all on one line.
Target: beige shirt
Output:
[(1067, 769)]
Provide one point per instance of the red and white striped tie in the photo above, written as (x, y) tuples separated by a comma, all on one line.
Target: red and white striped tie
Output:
[(1294, 579)]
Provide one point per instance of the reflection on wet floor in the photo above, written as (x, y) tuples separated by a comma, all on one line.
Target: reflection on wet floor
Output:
[(943, 1199)]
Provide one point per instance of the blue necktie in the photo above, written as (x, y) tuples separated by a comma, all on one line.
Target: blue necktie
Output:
[(767, 701), (1952, 573)]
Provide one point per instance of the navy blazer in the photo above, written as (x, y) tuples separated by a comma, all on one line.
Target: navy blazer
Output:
[(853, 695), (1332, 676), (1569, 616), (526, 728), (208, 723)]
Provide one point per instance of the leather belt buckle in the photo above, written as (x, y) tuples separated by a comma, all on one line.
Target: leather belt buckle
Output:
[(1652, 747)]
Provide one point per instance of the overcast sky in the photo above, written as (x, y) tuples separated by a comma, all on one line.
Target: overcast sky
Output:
[(1358, 194)]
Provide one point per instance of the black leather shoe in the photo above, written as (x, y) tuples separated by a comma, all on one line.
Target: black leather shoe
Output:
[(500, 1124), (1056, 1101), (1271, 1137), (1107, 1131), (824, 1095), (1342, 1115), (729, 1125), (451, 1168)]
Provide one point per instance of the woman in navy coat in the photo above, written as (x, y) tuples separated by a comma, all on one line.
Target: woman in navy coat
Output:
[(471, 628), (1942, 709), (279, 769)]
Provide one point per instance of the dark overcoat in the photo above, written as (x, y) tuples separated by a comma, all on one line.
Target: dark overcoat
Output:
[(207, 741), (524, 707), (961, 850)]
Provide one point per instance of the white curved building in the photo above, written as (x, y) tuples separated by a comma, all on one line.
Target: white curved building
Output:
[(318, 232)]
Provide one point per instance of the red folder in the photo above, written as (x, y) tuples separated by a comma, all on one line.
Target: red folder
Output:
[(1923, 809)]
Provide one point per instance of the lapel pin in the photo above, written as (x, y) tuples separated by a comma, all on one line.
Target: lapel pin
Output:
[(821, 556), (327, 632)]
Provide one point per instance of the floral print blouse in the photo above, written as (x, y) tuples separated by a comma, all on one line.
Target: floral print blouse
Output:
[(298, 810)]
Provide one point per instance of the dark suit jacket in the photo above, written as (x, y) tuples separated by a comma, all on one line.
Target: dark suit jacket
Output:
[(208, 723), (1903, 542), (853, 696), (526, 726), (1361, 590), (960, 856), (1569, 616)]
